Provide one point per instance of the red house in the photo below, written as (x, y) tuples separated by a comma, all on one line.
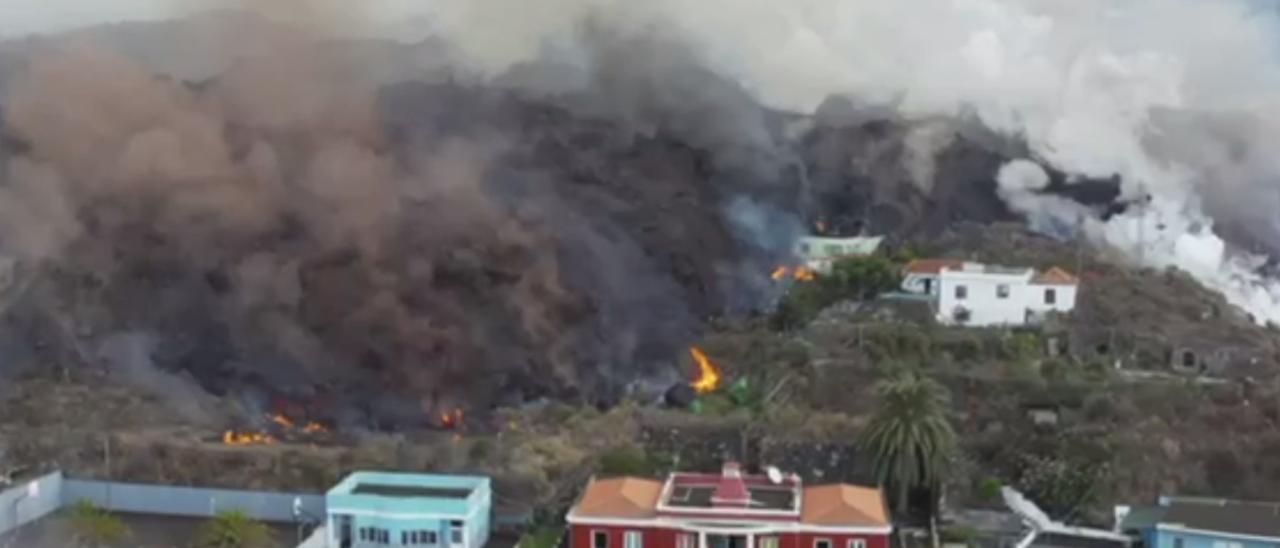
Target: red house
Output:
[(729, 510)]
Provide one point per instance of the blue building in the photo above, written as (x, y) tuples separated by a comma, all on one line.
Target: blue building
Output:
[(374, 509), (1186, 522)]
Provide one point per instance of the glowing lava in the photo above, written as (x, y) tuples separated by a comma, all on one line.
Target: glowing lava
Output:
[(709, 376), (231, 437)]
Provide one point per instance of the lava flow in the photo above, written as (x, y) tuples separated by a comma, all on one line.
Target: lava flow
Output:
[(232, 437), (709, 376), (799, 273), (451, 420)]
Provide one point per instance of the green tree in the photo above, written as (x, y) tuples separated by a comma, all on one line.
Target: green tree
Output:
[(234, 529), (858, 278), (95, 527), (909, 437)]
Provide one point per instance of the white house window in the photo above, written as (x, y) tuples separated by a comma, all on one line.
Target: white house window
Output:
[(822, 543), (685, 540), (767, 542), (1050, 296), (857, 543), (599, 539), (832, 249), (962, 292), (633, 539), (1002, 292)]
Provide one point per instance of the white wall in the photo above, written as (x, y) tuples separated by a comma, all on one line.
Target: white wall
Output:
[(985, 307), (21, 504), (1065, 302)]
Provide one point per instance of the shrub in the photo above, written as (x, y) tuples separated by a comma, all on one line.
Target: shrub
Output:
[(989, 489), (627, 461), (96, 527), (234, 529)]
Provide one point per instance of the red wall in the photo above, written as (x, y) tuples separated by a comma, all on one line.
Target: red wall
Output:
[(580, 537)]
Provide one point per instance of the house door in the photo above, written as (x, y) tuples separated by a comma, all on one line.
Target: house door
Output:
[(344, 530), (928, 286), (726, 541)]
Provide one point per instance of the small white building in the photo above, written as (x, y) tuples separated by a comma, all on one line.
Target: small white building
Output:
[(821, 252), (986, 295)]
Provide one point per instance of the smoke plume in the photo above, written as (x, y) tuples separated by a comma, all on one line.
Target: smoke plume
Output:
[(1175, 97)]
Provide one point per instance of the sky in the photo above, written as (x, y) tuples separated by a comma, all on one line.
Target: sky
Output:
[(20, 18)]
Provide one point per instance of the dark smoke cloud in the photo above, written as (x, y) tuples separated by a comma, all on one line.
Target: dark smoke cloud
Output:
[(294, 221)]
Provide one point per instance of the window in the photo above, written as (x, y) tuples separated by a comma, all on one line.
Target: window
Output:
[(857, 543), (599, 539), (804, 248), (404, 537), (1002, 291), (833, 249), (962, 292), (822, 543), (431, 537), (362, 533), (686, 540), (455, 532), (384, 536), (767, 542), (1050, 296), (633, 539), (1177, 542)]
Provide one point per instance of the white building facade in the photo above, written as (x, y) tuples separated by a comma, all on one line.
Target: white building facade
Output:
[(985, 295), (821, 252)]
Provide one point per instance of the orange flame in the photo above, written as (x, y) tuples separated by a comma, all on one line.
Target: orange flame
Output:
[(451, 419), (231, 437), (708, 374), (314, 428), (282, 420), (799, 273)]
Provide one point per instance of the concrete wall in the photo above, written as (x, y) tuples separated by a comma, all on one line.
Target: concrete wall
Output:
[(191, 501), (29, 501)]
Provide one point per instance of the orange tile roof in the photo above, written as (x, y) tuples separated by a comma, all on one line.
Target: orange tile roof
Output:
[(620, 498), (932, 266), (844, 505), (1056, 276)]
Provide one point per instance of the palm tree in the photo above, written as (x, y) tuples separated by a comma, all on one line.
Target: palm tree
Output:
[(234, 529), (909, 437), (95, 527)]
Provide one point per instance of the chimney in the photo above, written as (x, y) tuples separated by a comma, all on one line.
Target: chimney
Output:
[(731, 490)]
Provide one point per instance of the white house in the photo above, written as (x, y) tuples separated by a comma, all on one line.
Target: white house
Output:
[(986, 295), (821, 252)]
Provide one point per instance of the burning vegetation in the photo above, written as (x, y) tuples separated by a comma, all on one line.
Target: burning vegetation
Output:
[(279, 428), (709, 376), (233, 437), (451, 420), (798, 273)]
